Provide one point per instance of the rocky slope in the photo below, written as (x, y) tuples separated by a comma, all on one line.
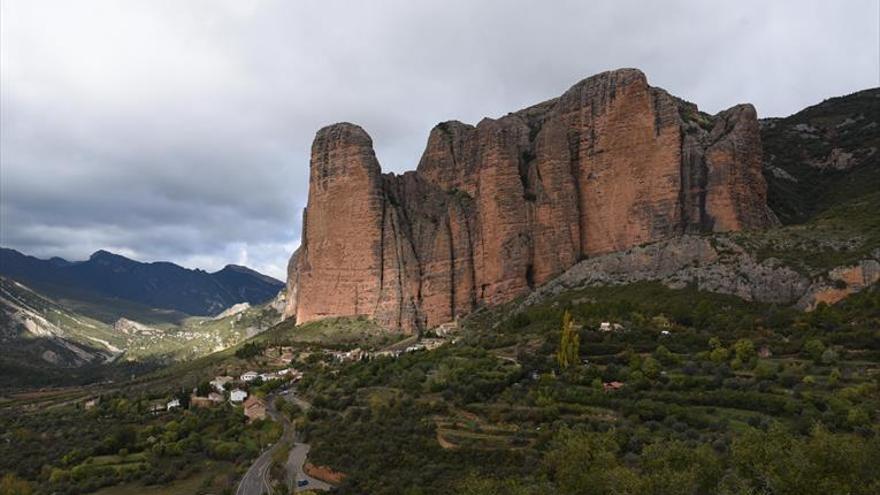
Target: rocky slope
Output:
[(497, 209), (716, 264)]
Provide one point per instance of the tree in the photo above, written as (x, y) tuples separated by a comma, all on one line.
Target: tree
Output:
[(814, 348), (745, 351), (204, 389), (665, 356), (569, 343), (651, 368)]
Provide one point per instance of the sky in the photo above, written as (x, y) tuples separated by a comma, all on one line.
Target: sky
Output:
[(180, 130)]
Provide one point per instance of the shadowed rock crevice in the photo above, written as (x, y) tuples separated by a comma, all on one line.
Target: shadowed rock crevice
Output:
[(498, 209)]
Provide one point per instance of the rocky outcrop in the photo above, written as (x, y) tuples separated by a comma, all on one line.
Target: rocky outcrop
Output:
[(842, 282), (497, 209), (714, 264)]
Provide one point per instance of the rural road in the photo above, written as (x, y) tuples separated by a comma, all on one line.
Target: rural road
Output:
[(256, 479)]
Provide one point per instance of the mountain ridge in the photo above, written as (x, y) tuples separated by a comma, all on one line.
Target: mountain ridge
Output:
[(158, 284)]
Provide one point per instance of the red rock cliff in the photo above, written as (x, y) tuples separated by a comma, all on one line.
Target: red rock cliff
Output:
[(494, 210)]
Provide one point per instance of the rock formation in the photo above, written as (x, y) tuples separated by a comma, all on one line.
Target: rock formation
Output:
[(497, 209)]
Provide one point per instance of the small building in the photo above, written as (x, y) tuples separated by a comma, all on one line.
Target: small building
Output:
[(237, 395), (612, 386), (249, 376), (415, 347), (664, 333), (355, 354), (391, 354), (219, 383), (172, 404), (607, 326), (211, 400), (255, 408), (268, 376), (446, 328), (91, 403), (431, 344)]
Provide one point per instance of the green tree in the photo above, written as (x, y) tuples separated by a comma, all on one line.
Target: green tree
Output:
[(569, 343), (651, 368), (744, 349), (665, 356), (586, 463), (814, 348)]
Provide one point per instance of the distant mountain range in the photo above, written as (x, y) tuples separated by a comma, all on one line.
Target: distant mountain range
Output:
[(160, 284)]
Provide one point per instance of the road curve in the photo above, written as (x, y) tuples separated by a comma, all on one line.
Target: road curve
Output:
[(256, 480)]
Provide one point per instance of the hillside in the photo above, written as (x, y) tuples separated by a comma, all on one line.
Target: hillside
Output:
[(685, 389), (823, 155), (106, 277), (41, 337)]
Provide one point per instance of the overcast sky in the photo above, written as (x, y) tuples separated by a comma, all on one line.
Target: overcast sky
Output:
[(180, 130)]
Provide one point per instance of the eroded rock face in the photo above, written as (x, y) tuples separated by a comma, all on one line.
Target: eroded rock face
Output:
[(497, 209)]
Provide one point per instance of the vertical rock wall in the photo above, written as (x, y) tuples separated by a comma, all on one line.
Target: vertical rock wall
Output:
[(497, 209)]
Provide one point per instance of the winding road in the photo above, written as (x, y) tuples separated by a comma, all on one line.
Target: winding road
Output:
[(256, 479)]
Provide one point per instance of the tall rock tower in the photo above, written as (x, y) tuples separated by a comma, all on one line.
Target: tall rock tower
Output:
[(496, 209)]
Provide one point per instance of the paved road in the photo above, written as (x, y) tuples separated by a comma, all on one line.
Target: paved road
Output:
[(295, 471), (256, 479)]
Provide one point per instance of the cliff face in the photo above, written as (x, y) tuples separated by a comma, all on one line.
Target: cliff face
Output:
[(495, 210)]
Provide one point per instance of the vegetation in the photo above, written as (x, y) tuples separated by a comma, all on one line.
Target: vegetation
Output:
[(719, 396), (569, 345), (122, 441)]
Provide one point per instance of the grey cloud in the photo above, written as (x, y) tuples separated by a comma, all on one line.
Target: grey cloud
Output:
[(181, 130)]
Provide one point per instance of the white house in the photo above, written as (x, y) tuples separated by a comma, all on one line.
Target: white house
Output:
[(172, 404), (219, 382), (268, 376), (237, 395), (607, 326), (249, 376)]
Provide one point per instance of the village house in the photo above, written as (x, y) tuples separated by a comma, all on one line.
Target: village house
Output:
[(249, 376), (219, 383), (415, 347), (391, 354), (211, 400), (446, 328), (293, 374), (172, 404), (431, 344), (607, 326), (237, 395), (355, 354), (612, 386), (255, 408), (91, 403)]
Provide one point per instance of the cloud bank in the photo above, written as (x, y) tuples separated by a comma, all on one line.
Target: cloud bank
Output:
[(169, 130)]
